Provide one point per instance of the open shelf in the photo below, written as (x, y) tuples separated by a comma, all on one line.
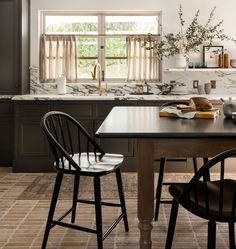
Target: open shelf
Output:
[(199, 69)]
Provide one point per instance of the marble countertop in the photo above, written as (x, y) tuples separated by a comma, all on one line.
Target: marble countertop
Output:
[(2, 97), (113, 97)]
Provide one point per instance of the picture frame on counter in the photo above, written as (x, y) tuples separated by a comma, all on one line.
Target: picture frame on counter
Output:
[(211, 55)]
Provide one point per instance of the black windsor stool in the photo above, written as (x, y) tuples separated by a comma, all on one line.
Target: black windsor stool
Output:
[(213, 200), (77, 153), (160, 181)]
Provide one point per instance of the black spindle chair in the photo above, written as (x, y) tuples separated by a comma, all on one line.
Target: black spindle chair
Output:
[(77, 153), (213, 200), (160, 181)]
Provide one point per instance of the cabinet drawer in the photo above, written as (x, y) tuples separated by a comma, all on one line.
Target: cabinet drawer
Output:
[(32, 109), (102, 110), (78, 110)]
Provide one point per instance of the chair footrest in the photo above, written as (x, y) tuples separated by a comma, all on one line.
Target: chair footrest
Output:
[(112, 226), (166, 201), (86, 229), (169, 183), (103, 203), (77, 227)]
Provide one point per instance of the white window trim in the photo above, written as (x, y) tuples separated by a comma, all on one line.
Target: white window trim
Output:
[(101, 32)]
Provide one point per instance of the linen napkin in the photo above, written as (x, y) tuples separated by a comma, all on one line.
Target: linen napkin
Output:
[(179, 113)]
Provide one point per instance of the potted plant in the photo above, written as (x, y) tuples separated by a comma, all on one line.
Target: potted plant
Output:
[(188, 39)]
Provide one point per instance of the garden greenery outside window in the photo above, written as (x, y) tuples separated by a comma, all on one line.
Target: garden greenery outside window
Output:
[(103, 38)]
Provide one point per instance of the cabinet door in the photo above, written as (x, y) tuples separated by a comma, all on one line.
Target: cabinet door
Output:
[(14, 47), (9, 47), (6, 133), (82, 111), (31, 153)]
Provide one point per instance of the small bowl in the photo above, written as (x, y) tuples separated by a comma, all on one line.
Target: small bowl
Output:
[(233, 63)]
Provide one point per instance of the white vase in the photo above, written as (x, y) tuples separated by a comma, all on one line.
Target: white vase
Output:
[(180, 61)]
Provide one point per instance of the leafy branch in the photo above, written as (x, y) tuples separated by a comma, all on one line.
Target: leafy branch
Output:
[(189, 40)]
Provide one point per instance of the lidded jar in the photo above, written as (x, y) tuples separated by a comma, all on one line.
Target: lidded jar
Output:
[(229, 106)]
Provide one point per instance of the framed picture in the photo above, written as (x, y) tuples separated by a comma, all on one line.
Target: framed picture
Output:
[(211, 56)]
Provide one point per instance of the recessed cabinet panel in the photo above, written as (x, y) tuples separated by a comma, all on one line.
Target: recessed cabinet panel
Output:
[(32, 141), (6, 133), (6, 108), (103, 110), (6, 144), (76, 136), (121, 146)]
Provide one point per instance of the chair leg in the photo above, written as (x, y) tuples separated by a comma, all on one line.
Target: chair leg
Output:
[(122, 199), (159, 188), (56, 191), (207, 175), (172, 222), (75, 198), (98, 210), (195, 165), (231, 235), (211, 242)]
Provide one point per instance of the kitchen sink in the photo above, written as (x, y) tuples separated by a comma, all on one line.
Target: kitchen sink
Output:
[(149, 93)]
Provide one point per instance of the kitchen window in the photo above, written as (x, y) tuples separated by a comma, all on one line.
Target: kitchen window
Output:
[(100, 38)]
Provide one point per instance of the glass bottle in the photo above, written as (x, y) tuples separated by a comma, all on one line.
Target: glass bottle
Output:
[(220, 61), (226, 59)]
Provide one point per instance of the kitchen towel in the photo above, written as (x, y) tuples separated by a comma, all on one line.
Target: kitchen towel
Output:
[(179, 113)]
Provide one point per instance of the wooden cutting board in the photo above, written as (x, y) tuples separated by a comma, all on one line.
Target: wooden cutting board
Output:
[(206, 114)]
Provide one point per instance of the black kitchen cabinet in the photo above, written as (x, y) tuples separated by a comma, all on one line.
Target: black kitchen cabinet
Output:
[(6, 132), (126, 147), (14, 47), (32, 153), (31, 148)]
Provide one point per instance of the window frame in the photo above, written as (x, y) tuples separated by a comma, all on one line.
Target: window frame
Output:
[(101, 33)]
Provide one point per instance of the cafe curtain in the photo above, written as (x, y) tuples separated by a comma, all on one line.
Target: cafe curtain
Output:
[(142, 63), (58, 56)]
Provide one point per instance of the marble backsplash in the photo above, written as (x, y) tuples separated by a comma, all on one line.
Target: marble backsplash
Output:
[(225, 83)]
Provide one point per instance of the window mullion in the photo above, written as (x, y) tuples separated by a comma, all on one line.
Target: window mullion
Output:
[(101, 28)]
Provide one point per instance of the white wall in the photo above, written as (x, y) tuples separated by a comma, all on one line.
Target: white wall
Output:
[(224, 10)]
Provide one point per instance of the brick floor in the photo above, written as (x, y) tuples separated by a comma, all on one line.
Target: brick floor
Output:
[(22, 223)]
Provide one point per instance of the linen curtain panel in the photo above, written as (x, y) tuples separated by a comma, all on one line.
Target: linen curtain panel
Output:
[(143, 65), (58, 56)]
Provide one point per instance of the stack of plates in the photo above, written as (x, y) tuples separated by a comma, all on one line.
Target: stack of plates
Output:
[(179, 90)]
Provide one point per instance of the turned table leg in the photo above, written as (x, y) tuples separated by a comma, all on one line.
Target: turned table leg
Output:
[(145, 191)]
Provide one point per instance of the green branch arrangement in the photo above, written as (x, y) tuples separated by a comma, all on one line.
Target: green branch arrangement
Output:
[(188, 39)]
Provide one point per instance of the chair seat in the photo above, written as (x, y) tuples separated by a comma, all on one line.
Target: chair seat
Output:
[(93, 165), (197, 202)]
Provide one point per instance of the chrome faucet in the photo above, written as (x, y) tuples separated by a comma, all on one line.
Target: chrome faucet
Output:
[(97, 71)]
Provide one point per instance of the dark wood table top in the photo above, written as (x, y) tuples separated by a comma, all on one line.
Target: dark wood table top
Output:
[(144, 122)]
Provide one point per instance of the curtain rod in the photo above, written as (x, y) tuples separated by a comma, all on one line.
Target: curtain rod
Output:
[(102, 35)]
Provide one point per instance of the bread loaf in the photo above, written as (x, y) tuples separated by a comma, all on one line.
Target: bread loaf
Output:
[(200, 104)]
